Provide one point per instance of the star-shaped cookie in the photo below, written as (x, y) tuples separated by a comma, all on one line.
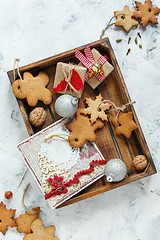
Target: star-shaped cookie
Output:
[(33, 88), (6, 218), (126, 21), (127, 125), (94, 110), (40, 232), (146, 12)]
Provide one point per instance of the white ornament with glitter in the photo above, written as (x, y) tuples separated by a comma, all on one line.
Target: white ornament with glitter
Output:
[(115, 170), (66, 105)]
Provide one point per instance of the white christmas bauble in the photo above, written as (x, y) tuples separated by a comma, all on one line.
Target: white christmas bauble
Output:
[(115, 170), (66, 105)]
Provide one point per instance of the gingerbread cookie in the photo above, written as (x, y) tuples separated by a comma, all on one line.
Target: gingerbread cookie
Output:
[(25, 220), (146, 13), (33, 88), (37, 116), (6, 218), (125, 20), (126, 124), (40, 232), (95, 110), (82, 129)]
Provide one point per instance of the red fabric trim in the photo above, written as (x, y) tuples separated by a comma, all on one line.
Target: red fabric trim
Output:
[(63, 187)]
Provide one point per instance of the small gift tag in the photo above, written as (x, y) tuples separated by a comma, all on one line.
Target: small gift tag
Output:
[(98, 66), (69, 79)]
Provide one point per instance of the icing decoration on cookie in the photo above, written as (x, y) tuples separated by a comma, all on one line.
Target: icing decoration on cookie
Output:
[(39, 232), (74, 83), (61, 188), (126, 21), (6, 218), (96, 109), (146, 12), (126, 124)]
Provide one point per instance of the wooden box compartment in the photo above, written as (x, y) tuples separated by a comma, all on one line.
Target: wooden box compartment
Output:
[(111, 146)]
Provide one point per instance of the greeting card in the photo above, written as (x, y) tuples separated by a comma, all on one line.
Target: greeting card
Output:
[(60, 170)]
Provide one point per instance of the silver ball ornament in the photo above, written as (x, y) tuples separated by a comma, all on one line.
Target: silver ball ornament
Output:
[(66, 105), (115, 170)]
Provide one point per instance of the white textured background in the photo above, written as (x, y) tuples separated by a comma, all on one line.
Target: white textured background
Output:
[(36, 29)]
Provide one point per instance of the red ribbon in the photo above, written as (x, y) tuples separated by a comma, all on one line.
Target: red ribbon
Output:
[(75, 82), (88, 61), (63, 187)]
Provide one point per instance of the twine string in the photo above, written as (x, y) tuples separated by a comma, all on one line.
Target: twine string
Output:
[(25, 190), (57, 135), (116, 108), (110, 24), (16, 61), (23, 197), (68, 78)]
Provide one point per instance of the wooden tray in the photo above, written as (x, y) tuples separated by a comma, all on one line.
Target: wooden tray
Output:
[(110, 145)]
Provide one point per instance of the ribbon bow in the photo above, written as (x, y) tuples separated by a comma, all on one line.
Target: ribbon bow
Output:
[(72, 81), (94, 67)]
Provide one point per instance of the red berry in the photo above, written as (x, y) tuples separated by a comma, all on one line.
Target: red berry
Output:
[(60, 179), (50, 180), (55, 177), (8, 195), (65, 190), (56, 184)]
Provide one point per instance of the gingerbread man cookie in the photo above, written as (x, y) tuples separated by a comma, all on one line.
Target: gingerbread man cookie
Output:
[(82, 129), (33, 88), (125, 20), (126, 124), (40, 232), (96, 109), (146, 13), (6, 218)]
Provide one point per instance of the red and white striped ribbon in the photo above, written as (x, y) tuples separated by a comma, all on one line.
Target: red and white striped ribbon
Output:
[(102, 60), (88, 61), (89, 54)]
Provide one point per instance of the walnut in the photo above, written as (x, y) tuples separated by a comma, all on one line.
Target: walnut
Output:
[(37, 116), (140, 162)]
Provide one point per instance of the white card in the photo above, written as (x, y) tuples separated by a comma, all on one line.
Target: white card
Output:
[(56, 156)]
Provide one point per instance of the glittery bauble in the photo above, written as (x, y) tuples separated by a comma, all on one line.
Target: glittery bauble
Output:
[(115, 170), (66, 105)]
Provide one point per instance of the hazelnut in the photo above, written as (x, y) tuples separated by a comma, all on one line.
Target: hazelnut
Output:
[(37, 116), (140, 162), (8, 195)]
